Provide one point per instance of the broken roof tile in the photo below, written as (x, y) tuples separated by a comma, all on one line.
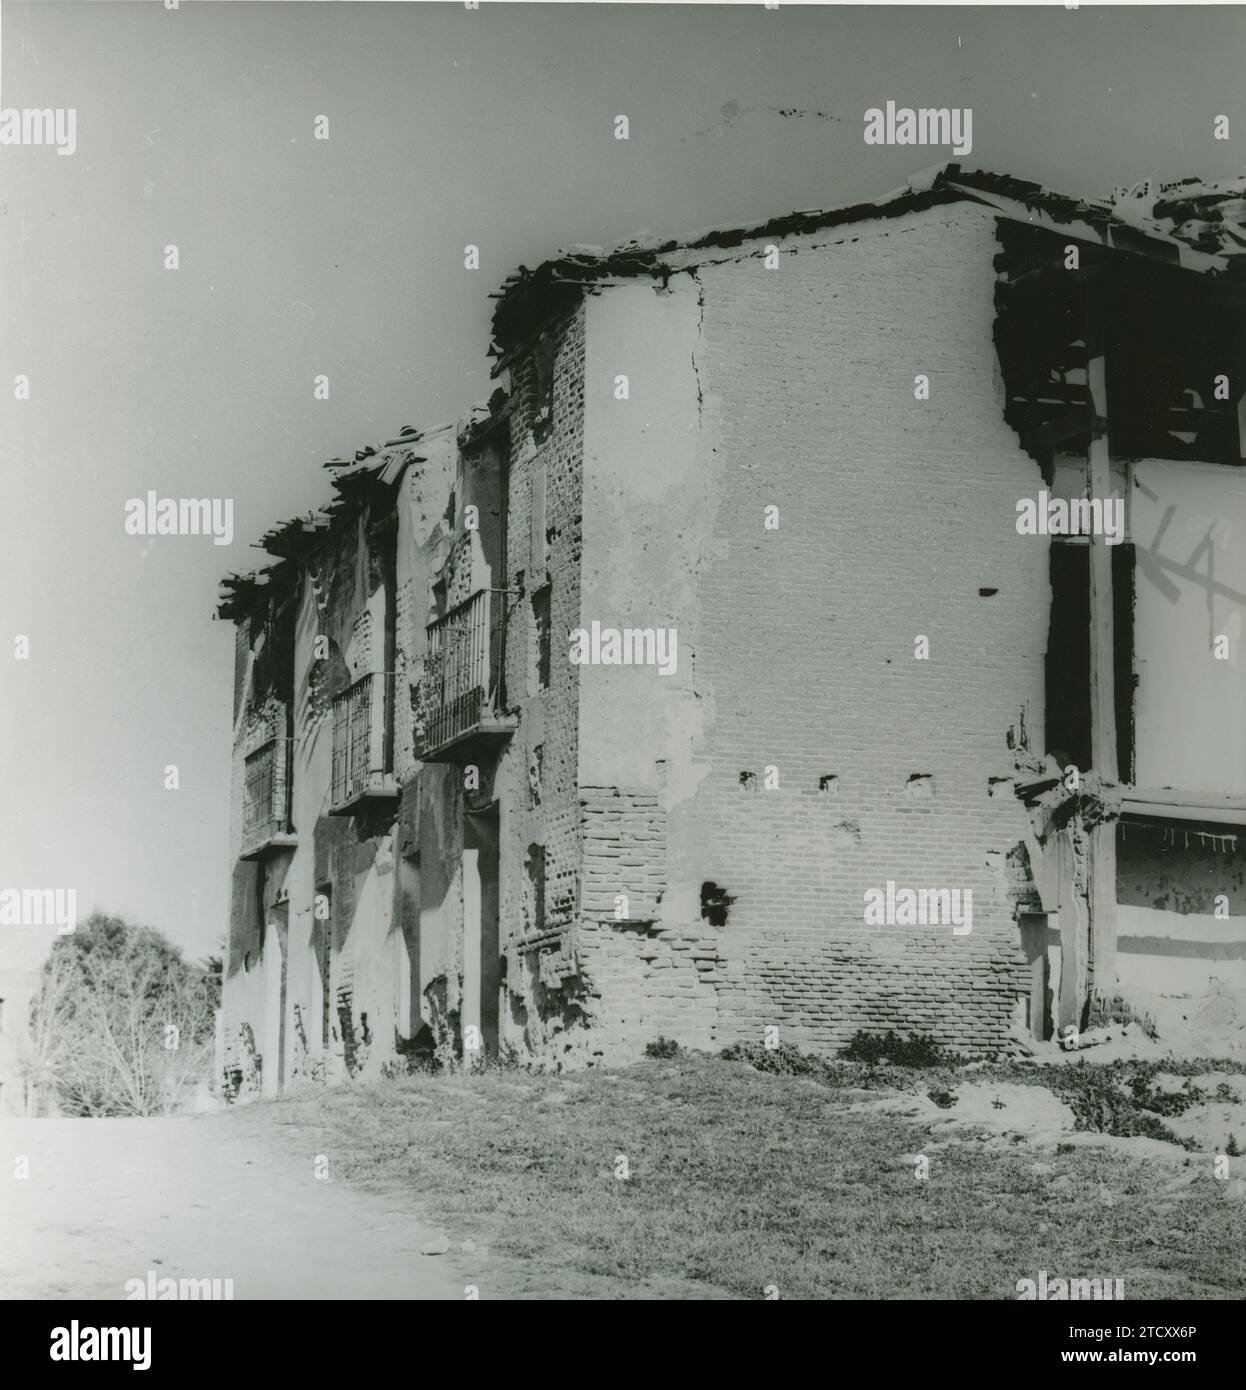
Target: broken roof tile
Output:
[(1200, 226)]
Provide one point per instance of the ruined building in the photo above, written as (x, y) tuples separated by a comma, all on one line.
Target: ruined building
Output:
[(767, 488)]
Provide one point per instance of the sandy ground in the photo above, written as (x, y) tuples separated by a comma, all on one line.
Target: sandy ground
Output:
[(1013, 1113), (195, 1196)]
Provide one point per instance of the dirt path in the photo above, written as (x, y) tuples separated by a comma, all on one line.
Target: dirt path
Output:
[(198, 1197)]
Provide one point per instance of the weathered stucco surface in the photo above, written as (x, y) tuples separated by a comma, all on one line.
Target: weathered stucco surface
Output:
[(1188, 521)]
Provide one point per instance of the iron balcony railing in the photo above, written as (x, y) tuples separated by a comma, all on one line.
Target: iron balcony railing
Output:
[(265, 800), (360, 743), (260, 817), (459, 687)]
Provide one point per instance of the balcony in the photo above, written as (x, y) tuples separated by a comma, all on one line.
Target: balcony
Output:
[(361, 759), (265, 814), (458, 703)]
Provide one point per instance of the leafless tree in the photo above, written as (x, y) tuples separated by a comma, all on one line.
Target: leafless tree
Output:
[(121, 1025)]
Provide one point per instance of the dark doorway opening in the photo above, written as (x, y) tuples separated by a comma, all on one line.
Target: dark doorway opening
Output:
[(480, 852)]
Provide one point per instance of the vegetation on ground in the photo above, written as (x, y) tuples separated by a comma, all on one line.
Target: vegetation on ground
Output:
[(740, 1179)]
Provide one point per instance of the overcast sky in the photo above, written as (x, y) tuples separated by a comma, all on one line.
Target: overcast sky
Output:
[(345, 257)]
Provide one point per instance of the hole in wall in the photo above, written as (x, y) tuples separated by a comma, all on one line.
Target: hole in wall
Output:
[(846, 834), (1067, 722), (715, 903), (536, 766), (542, 632), (534, 896)]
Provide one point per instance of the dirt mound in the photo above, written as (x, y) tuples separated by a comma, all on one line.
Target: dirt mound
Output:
[(1211, 1024)]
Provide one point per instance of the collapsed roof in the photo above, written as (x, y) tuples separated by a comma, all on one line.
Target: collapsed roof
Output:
[(372, 470), (1189, 223)]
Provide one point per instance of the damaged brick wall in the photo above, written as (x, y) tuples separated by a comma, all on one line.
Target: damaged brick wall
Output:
[(802, 753), (543, 547), (645, 977), (624, 854), (821, 988), (895, 512)]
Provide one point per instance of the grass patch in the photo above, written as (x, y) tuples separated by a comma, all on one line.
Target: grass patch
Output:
[(740, 1179), (1119, 1097)]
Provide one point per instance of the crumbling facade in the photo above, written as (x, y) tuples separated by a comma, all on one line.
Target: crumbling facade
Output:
[(600, 716)]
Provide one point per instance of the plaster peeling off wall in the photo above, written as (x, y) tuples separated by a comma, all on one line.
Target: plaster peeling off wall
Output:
[(648, 513), (1168, 953), (1188, 522)]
